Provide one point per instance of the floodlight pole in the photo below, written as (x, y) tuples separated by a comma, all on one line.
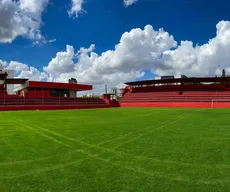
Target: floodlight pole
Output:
[(105, 88)]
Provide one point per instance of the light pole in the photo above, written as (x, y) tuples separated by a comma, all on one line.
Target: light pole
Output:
[(105, 88)]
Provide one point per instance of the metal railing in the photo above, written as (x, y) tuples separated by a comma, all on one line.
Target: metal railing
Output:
[(16, 100)]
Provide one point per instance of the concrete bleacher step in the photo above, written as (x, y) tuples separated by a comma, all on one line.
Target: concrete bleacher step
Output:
[(186, 96)]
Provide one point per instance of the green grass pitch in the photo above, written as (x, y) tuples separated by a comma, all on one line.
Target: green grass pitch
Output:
[(115, 150)]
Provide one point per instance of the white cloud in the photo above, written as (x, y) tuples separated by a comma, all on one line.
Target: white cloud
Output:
[(62, 63), (17, 66), (76, 8), (138, 50), (3, 64), (33, 6), (21, 18), (135, 52), (33, 74), (52, 40), (129, 2), (200, 60), (24, 71)]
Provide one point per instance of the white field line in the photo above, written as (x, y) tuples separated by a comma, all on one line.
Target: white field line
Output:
[(55, 140), (156, 174), (42, 134), (120, 152), (157, 128), (153, 174), (129, 134), (42, 170), (140, 157), (162, 125)]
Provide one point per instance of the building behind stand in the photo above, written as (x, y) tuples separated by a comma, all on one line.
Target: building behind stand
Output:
[(37, 93)]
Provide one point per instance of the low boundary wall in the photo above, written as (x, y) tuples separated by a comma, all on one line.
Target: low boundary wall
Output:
[(53, 107), (138, 104), (178, 104)]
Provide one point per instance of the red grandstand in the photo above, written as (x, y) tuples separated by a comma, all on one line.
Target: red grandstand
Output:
[(167, 91), (47, 95), (178, 92)]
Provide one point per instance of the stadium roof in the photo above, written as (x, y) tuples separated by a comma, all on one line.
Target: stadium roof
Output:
[(55, 85), (16, 81), (3, 77), (181, 80)]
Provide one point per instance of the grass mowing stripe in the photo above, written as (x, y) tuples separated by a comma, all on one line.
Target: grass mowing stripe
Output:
[(55, 140), (140, 157), (162, 125), (156, 174), (169, 176), (129, 134), (158, 127), (91, 145), (98, 147), (47, 181)]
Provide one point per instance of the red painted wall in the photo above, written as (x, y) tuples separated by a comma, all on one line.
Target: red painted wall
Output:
[(178, 104), (15, 108), (37, 94)]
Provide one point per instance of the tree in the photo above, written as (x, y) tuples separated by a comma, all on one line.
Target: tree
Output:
[(223, 73)]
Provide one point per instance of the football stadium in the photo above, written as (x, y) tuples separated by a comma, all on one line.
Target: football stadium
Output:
[(167, 134)]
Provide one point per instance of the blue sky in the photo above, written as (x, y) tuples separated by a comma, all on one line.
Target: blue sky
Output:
[(104, 22)]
